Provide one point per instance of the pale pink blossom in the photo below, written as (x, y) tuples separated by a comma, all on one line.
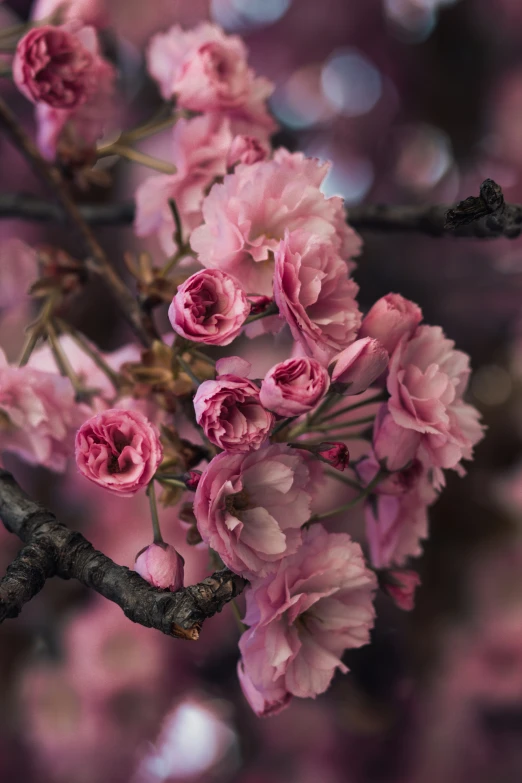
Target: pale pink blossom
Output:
[(210, 307), (38, 415), (318, 603), (161, 565), (401, 587), (294, 387), (75, 131), (247, 150), (391, 318), (199, 151), (56, 65), (394, 446), (206, 70), (119, 450), (359, 365), (233, 365), (250, 507), (231, 414), (315, 296), (246, 217), (18, 270), (427, 380), (396, 524)]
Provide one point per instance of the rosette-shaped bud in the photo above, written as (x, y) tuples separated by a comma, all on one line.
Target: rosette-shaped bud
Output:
[(161, 566)]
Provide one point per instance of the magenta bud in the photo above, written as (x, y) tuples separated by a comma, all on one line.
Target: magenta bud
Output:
[(191, 479), (401, 586), (335, 454), (161, 566), (259, 303)]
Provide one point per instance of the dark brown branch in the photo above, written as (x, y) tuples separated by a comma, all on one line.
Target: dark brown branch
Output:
[(98, 261), (486, 216), (51, 548)]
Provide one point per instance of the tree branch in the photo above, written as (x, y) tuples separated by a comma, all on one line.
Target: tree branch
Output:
[(52, 549), (99, 262)]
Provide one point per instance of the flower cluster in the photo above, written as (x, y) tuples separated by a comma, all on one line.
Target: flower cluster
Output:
[(272, 254)]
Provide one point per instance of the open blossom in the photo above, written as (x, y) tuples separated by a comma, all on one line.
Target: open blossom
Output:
[(394, 446), (55, 65), (246, 217), (318, 603), (315, 296), (161, 566), (92, 12), (396, 524), (38, 415), (294, 387), (247, 150), (210, 307), (390, 319), (231, 414), (119, 450), (207, 71), (199, 151), (426, 381), (250, 507), (76, 130), (359, 365)]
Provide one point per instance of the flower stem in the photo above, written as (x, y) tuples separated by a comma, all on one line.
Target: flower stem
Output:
[(91, 352), (343, 479), (36, 330), (272, 309), (360, 404), (156, 530), (237, 614), (347, 506), (117, 148), (341, 425), (188, 370)]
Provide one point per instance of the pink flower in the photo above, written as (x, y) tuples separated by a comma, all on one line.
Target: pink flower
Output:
[(200, 149), (192, 479), (246, 217), (396, 524), (75, 131), (161, 566), (315, 295), (359, 365), (250, 508), (401, 586), (247, 150), (317, 603), (426, 381), (38, 415), (334, 453), (207, 71), (231, 414), (294, 387), (394, 446), (390, 319), (119, 450), (210, 307), (55, 66), (396, 483)]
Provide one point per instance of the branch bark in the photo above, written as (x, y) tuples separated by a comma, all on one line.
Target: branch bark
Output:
[(486, 216), (52, 549), (99, 263)]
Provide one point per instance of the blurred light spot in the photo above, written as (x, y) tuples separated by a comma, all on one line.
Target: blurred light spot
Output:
[(262, 11), (350, 177), (351, 83), (491, 385), (414, 20), (242, 14), (424, 157), (299, 102), (192, 740)]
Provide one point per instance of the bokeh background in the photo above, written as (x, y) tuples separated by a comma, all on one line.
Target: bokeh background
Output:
[(414, 101)]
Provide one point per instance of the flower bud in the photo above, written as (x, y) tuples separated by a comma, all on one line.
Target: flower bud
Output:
[(161, 566), (390, 319), (359, 365), (247, 150), (401, 586), (335, 453), (191, 479)]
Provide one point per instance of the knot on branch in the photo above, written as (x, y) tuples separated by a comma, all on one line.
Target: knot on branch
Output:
[(488, 212)]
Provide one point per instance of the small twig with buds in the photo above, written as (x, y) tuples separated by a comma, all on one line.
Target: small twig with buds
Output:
[(52, 549)]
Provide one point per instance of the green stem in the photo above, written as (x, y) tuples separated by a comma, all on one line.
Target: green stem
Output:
[(361, 404), (335, 474), (203, 356), (188, 370), (82, 342), (156, 530), (272, 309), (178, 233), (341, 425), (137, 157), (237, 614), (37, 329), (283, 424), (347, 506)]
